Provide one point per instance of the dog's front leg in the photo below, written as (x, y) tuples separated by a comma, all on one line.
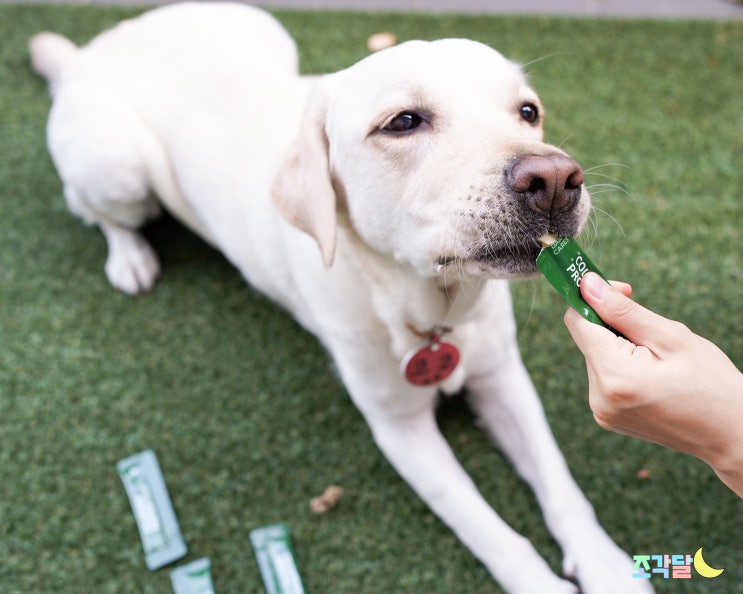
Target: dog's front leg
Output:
[(418, 451), (403, 423), (507, 403)]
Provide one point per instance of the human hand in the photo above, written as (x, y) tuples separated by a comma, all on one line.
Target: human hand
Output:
[(663, 383)]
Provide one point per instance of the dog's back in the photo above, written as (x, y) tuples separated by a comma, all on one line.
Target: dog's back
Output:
[(177, 34), (137, 109)]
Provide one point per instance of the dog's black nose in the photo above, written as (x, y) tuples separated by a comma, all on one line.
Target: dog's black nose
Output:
[(550, 183)]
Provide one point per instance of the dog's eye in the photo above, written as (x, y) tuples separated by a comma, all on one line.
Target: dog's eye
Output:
[(406, 121), (529, 113)]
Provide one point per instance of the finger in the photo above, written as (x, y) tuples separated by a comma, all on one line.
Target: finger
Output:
[(593, 340), (637, 323), (624, 288), (606, 354)]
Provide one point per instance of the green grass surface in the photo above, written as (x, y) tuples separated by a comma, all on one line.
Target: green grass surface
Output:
[(241, 405)]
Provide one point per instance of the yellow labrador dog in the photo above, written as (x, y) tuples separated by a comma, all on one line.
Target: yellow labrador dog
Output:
[(421, 176)]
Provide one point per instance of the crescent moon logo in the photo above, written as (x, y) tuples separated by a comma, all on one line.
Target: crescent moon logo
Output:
[(703, 568)]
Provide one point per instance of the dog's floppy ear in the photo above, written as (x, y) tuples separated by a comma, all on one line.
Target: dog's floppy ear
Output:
[(303, 190)]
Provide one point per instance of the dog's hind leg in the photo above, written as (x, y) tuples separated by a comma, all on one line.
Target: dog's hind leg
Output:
[(131, 266), (100, 149)]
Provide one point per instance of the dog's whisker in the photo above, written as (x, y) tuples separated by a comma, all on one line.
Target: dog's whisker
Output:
[(545, 57), (604, 176), (592, 169), (564, 141), (611, 217), (596, 193), (592, 188)]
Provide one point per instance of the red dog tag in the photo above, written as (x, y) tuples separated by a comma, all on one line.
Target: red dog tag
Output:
[(431, 364)]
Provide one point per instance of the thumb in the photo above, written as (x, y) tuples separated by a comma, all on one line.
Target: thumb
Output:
[(638, 324)]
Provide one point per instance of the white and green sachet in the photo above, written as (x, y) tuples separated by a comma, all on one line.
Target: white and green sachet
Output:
[(158, 526)]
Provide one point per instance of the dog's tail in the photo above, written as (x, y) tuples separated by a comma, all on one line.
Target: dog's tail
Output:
[(50, 53)]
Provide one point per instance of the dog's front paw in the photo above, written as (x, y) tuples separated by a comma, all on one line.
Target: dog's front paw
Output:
[(601, 567), (132, 266), (521, 570)]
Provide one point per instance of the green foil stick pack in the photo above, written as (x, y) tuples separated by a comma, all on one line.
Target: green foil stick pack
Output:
[(275, 556), (564, 263), (158, 527)]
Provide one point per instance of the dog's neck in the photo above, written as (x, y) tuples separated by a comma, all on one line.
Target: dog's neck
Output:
[(402, 297)]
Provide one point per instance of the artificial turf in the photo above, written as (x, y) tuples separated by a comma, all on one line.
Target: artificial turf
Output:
[(242, 406)]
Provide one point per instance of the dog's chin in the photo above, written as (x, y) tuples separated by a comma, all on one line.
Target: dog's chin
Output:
[(505, 263), (506, 266)]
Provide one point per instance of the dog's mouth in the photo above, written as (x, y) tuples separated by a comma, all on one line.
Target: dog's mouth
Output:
[(504, 242), (509, 254), (513, 260)]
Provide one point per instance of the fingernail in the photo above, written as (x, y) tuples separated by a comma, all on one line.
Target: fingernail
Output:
[(594, 285)]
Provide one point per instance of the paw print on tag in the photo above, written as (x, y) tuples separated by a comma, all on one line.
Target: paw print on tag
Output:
[(431, 364)]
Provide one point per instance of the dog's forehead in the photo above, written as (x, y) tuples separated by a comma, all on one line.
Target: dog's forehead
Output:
[(446, 69), (448, 55), (445, 58)]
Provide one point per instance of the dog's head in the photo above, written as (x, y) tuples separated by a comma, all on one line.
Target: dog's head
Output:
[(434, 150)]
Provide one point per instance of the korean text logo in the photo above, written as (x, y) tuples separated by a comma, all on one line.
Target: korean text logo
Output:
[(673, 566)]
